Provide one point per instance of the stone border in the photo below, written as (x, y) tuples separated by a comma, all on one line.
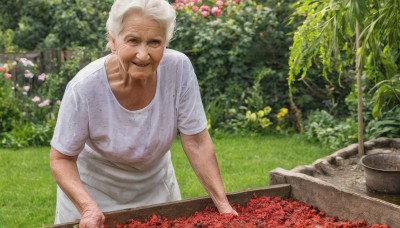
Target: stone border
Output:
[(323, 165)]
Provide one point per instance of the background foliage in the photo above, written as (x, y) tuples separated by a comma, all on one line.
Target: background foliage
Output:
[(53, 24), (240, 58), (240, 51), (327, 40)]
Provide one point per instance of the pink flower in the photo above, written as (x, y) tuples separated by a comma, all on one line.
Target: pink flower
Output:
[(26, 62), (204, 8), (42, 77), (237, 1), (28, 74), (36, 99), (219, 3), (180, 6), (195, 8), (7, 75), (44, 103), (205, 13), (1, 68), (216, 11), (195, 1)]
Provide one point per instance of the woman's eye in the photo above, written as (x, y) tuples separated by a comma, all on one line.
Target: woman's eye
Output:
[(154, 43), (134, 41)]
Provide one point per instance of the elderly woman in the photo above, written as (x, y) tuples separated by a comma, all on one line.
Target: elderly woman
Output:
[(119, 116)]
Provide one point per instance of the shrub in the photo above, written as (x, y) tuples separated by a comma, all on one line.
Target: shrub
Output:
[(9, 113), (325, 128), (387, 126), (28, 134), (27, 119), (235, 47), (53, 23), (226, 47), (29, 100)]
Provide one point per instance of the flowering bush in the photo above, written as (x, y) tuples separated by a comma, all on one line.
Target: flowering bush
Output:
[(230, 44), (227, 45), (259, 121), (27, 118), (29, 99), (204, 9), (8, 111)]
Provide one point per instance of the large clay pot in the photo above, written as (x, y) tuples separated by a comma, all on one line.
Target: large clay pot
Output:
[(382, 172)]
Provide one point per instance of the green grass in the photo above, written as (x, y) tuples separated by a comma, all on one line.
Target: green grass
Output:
[(27, 188), (245, 162)]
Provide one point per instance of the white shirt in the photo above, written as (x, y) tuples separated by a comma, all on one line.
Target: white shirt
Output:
[(90, 114)]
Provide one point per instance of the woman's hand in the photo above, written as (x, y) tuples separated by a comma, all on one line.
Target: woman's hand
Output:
[(227, 209), (92, 218), (200, 151), (67, 177)]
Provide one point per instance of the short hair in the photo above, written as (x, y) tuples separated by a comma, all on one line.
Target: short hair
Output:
[(160, 10)]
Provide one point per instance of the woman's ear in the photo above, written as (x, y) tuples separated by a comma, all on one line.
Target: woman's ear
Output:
[(111, 40)]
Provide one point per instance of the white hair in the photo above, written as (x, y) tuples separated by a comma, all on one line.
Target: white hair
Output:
[(159, 10)]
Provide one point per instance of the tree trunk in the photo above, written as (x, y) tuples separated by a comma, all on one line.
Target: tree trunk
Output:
[(296, 115), (359, 95)]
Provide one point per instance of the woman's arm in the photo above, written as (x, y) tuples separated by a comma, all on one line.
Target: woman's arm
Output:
[(199, 150), (66, 174)]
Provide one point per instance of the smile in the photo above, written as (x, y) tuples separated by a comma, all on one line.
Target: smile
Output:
[(141, 65)]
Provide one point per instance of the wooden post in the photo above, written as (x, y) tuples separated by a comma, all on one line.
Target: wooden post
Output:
[(359, 95)]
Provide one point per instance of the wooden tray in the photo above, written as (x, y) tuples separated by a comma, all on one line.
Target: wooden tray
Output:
[(185, 208)]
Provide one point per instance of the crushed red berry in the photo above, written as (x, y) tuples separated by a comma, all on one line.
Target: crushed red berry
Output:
[(260, 212)]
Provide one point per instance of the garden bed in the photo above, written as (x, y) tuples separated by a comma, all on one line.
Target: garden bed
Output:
[(336, 184), (261, 202)]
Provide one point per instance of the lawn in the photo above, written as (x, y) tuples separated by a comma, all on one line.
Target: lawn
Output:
[(27, 188)]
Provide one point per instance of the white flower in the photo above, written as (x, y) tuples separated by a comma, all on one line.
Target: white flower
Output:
[(28, 74), (26, 62)]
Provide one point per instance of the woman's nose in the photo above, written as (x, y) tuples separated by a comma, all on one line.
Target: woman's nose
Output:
[(143, 52)]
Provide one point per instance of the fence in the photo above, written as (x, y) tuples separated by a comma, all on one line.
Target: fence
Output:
[(47, 60)]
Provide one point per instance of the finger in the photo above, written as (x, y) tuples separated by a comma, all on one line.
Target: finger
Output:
[(235, 212)]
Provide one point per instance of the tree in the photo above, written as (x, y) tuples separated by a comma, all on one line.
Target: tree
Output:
[(64, 24), (328, 38)]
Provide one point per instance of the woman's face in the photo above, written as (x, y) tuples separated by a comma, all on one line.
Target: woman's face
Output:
[(140, 45)]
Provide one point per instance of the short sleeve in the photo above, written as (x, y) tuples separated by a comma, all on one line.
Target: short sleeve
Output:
[(191, 116), (71, 131)]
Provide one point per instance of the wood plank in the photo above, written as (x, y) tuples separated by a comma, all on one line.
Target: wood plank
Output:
[(185, 208)]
